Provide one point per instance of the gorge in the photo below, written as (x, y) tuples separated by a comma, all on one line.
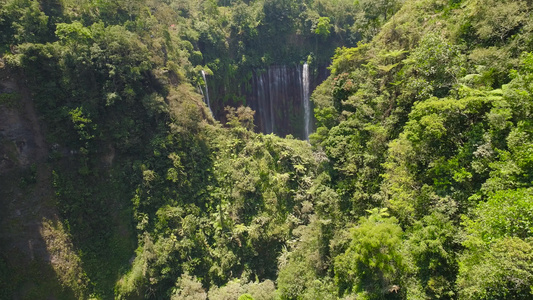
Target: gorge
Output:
[(194, 149)]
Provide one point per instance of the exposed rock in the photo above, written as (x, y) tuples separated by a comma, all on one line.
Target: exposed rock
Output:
[(21, 141)]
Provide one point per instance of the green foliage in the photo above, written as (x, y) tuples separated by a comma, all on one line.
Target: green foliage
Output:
[(323, 26), (241, 290), (81, 124), (497, 19), (431, 248), (349, 58), (426, 118), (501, 270), (280, 14), (432, 152), (373, 263), (433, 68), (302, 269), (373, 14), (342, 16), (240, 117), (73, 33), (246, 297), (505, 214), (189, 288), (22, 22), (498, 262)]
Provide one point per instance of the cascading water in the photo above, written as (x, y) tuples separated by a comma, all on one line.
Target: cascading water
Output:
[(279, 95), (206, 96), (263, 106), (305, 98), (272, 88), (276, 91)]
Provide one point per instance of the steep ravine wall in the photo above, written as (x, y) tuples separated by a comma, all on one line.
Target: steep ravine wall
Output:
[(26, 197), (39, 257)]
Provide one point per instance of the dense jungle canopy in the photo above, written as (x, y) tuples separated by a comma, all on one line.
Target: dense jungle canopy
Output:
[(117, 181)]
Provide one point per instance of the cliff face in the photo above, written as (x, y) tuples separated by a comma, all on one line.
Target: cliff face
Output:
[(26, 195), (39, 253), (21, 141), (279, 94)]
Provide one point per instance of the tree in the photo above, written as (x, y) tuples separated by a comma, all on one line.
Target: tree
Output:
[(372, 14), (501, 270), (240, 117), (280, 15), (322, 27), (498, 261), (433, 68), (341, 14), (497, 18), (431, 248), (373, 262), (22, 22), (189, 288)]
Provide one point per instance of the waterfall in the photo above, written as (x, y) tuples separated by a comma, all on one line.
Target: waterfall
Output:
[(279, 95), (278, 100), (265, 108), (272, 89), (305, 98), (206, 96)]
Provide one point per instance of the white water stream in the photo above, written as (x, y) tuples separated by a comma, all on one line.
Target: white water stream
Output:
[(206, 96), (305, 97)]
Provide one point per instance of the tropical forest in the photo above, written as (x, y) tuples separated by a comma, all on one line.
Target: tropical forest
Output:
[(266, 149)]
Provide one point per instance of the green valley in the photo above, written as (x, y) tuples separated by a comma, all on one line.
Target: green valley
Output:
[(266, 149)]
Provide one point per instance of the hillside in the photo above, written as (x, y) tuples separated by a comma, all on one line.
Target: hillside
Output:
[(121, 179)]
